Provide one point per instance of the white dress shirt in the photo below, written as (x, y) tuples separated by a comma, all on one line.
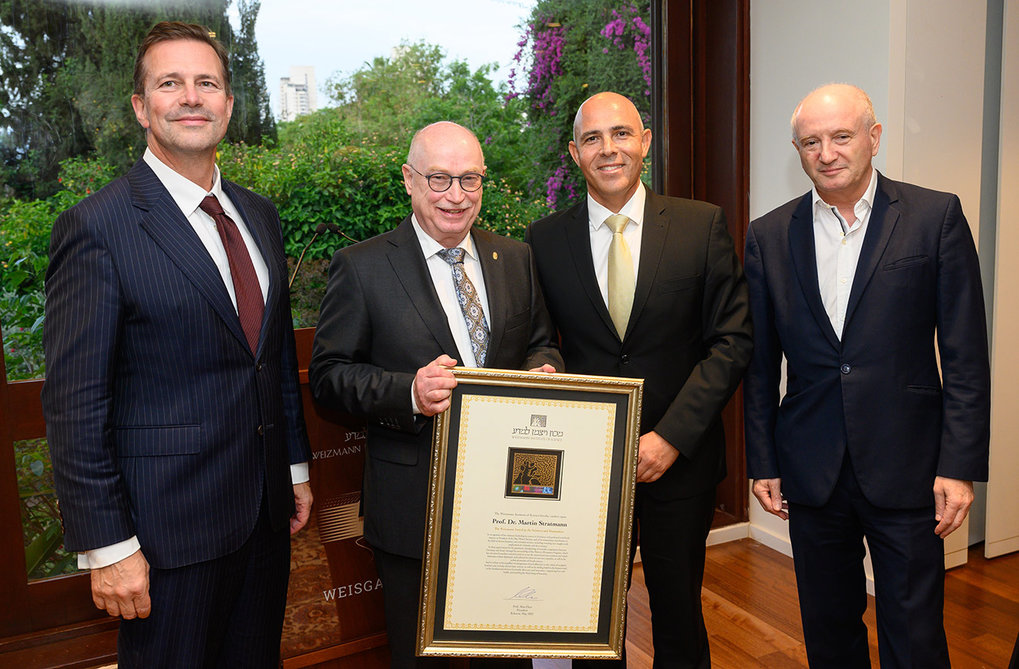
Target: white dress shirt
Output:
[(601, 235), (445, 287), (837, 246), (188, 195)]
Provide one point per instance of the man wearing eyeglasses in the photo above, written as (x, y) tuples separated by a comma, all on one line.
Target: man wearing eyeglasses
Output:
[(400, 310)]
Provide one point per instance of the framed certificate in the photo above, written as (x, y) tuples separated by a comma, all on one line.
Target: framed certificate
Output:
[(529, 516)]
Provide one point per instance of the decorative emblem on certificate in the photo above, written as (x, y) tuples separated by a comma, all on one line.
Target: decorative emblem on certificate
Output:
[(533, 472)]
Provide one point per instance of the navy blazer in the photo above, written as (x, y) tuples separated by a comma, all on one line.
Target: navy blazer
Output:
[(381, 321), (688, 337), (161, 423), (877, 392)]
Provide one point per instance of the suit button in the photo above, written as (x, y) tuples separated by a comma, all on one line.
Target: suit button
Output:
[(258, 367), (625, 359), (261, 431), (846, 368)]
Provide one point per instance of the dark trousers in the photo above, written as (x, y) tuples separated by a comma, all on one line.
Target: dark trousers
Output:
[(909, 580), (401, 587), (226, 612), (672, 537)]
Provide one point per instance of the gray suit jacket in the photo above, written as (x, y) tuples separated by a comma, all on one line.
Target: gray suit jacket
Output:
[(381, 321)]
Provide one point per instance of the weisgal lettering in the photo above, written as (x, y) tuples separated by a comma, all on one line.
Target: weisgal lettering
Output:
[(351, 590)]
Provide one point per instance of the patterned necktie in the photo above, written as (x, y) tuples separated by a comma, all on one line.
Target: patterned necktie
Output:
[(621, 279), (250, 305), (470, 304)]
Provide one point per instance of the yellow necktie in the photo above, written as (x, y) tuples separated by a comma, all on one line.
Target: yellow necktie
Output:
[(621, 278)]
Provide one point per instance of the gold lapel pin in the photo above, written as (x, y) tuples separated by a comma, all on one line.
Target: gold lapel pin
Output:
[(495, 255)]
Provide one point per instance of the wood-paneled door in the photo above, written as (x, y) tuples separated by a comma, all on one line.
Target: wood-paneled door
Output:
[(701, 129)]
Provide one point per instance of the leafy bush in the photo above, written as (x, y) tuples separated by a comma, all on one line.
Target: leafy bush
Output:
[(24, 257), (24, 241), (315, 175), (22, 317)]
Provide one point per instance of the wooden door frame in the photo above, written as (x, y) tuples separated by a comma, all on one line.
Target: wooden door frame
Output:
[(701, 149)]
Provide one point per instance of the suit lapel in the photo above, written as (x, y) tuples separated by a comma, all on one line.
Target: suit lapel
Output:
[(495, 286), (578, 238), (163, 221), (408, 263), (261, 233), (804, 256), (879, 230), (652, 244)]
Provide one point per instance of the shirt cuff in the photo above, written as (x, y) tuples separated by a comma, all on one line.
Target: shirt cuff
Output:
[(413, 402), (107, 555), (299, 473)]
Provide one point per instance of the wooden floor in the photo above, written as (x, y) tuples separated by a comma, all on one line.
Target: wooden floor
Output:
[(752, 613)]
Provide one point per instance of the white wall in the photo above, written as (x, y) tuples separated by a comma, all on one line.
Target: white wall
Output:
[(921, 61)]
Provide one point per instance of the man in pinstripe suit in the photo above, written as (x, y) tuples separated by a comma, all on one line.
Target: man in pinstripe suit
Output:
[(172, 403)]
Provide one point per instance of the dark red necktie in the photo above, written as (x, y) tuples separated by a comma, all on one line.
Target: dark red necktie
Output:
[(250, 305)]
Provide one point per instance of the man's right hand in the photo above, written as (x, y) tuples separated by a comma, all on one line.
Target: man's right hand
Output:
[(122, 588), (769, 493), (433, 385)]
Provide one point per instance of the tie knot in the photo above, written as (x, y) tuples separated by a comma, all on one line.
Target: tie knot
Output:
[(616, 223), (452, 256), (210, 205)]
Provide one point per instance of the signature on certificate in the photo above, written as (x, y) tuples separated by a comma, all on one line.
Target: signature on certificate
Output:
[(526, 593)]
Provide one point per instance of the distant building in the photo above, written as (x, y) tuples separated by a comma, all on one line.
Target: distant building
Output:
[(297, 93)]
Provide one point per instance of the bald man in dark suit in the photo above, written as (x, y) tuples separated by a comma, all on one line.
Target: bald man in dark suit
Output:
[(400, 310), (672, 309), (860, 284)]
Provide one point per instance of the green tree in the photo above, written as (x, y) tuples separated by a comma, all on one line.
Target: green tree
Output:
[(252, 119), (389, 99), (36, 122), (67, 70), (382, 100), (569, 51)]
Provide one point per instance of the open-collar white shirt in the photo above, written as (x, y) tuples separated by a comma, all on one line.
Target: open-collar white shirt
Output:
[(837, 246)]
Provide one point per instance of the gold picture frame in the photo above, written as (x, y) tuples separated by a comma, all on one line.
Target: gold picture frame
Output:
[(530, 511)]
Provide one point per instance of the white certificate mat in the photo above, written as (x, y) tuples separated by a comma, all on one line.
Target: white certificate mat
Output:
[(526, 563)]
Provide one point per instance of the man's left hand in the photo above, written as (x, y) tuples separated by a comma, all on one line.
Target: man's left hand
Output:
[(654, 457), (302, 504), (952, 499), (544, 369)]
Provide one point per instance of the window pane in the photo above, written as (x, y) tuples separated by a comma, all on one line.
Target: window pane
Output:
[(45, 556)]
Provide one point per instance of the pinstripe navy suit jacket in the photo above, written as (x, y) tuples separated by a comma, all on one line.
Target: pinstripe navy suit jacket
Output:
[(161, 423)]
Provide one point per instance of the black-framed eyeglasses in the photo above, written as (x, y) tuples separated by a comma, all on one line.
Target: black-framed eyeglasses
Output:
[(440, 181)]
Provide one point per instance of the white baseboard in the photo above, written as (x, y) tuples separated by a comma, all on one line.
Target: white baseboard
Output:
[(735, 532), (776, 542), (718, 535)]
